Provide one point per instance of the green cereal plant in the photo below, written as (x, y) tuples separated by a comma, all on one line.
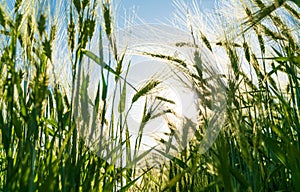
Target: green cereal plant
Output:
[(258, 146)]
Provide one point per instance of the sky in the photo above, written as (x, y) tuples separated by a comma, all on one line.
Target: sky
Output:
[(155, 11)]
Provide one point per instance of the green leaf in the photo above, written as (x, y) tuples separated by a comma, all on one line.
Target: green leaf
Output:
[(173, 181), (121, 106), (177, 161), (108, 186), (104, 88), (52, 123), (138, 158), (97, 99), (295, 59), (95, 58), (239, 177), (275, 148), (128, 185), (17, 125)]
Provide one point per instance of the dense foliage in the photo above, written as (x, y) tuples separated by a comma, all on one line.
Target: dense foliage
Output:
[(42, 116)]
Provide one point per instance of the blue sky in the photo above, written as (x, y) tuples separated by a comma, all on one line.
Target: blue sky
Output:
[(153, 11)]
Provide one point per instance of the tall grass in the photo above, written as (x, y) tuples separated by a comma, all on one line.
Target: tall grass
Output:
[(258, 147), (43, 119), (57, 136)]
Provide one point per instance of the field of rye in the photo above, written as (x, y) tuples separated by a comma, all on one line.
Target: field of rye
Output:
[(56, 136)]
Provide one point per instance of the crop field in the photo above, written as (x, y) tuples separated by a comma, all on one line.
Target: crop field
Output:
[(90, 101)]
